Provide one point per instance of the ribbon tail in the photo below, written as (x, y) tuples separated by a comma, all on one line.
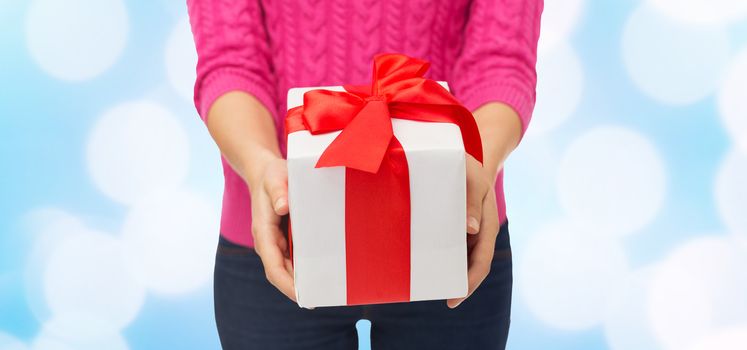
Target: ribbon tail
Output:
[(363, 143), (377, 231), (426, 100)]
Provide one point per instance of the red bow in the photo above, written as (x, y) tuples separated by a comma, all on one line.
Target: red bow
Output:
[(398, 90), (377, 187)]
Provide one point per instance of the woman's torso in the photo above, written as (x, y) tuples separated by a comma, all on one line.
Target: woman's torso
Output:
[(332, 42)]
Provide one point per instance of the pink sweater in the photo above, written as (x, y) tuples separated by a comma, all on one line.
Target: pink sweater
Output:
[(484, 49)]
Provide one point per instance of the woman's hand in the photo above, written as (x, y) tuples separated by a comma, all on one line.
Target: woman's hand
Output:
[(269, 203), (245, 132), (482, 225), (500, 131)]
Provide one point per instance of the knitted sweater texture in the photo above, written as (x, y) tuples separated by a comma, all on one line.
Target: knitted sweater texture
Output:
[(485, 50)]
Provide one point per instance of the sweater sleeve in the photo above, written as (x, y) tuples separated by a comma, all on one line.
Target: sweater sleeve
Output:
[(497, 61), (233, 52)]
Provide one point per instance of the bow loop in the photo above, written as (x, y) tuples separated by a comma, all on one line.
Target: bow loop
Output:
[(392, 68), (397, 90), (331, 110)]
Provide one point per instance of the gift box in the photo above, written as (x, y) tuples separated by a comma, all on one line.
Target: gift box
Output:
[(377, 188)]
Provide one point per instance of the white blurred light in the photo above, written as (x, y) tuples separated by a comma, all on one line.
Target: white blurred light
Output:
[(49, 227), (170, 241), (567, 273), (625, 322), (181, 59), (673, 62), (76, 39), (51, 221), (137, 148), (734, 338), (700, 288), (703, 11), (612, 179), (559, 19), (86, 274), (559, 89), (69, 333), (732, 100), (731, 193), (9, 342)]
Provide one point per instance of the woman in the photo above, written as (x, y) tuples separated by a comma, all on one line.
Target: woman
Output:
[(252, 51)]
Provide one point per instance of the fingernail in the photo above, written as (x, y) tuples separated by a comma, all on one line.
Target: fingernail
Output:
[(279, 203), (473, 223)]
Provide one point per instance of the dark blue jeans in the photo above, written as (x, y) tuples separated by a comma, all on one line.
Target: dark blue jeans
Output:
[(252, 314)]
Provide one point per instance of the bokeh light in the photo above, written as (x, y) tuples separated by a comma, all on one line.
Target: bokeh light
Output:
[(731, 193), (626, 199), (104, 290), (137, 148), (78, 39), (620, 171), (9, 342), (674, 62), (559, 19), (626, 324), (560, 84), (732, 100), (580, 267), (697, 290), (181, 59), (167, 252), (703, 11)]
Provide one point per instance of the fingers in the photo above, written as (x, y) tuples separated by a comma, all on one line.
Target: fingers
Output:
[(481, 254), (476, 191), (269, 244), (269, 204), (479, 267), (475, 195), (276, 186)]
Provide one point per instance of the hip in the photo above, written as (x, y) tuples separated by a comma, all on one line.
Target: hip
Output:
[(251, 313)]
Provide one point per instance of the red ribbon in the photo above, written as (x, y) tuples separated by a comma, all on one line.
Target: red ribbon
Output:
[(377, 190)]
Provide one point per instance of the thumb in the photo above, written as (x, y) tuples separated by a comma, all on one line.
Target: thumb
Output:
[(277, 189), (474, 207)]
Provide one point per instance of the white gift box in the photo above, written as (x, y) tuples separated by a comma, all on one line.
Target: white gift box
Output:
[(438, 252)]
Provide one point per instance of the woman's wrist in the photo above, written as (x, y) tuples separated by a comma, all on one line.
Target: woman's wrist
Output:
[(254, 166), (500, 131), (245, 132)]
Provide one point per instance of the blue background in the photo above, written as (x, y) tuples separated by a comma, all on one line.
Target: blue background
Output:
[(47, 121)]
